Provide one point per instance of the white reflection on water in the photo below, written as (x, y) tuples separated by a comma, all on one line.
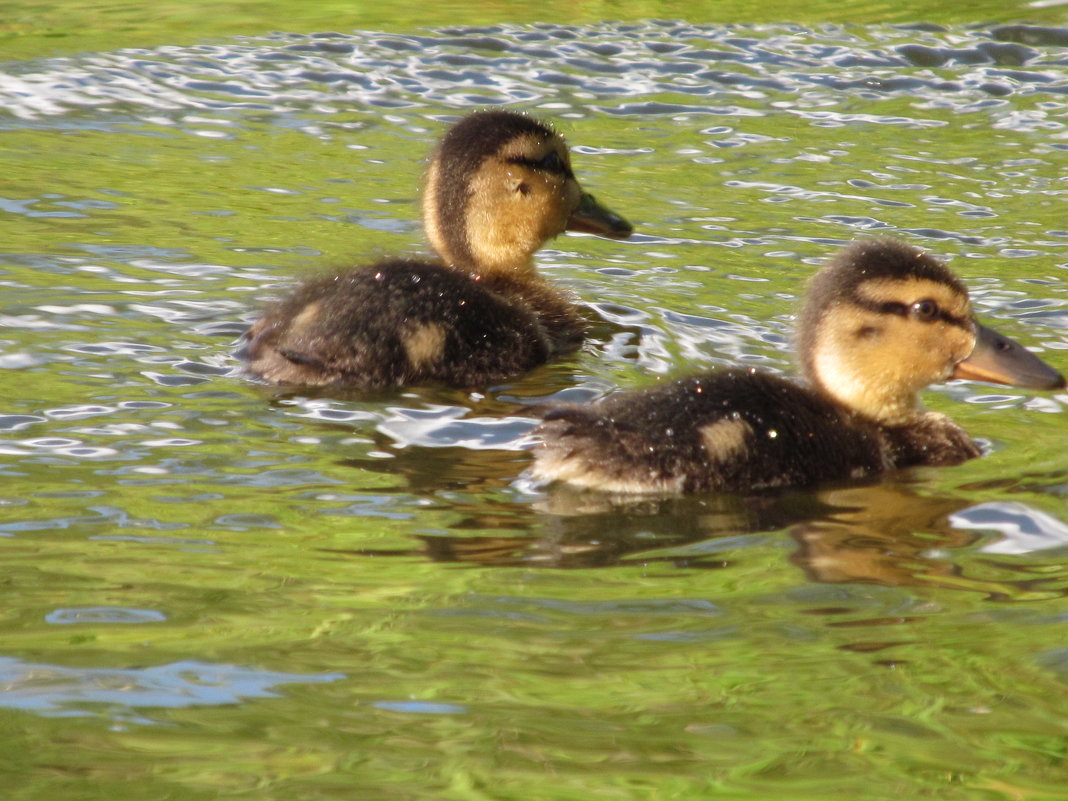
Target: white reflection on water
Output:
[(413, 427), (1022, 528)]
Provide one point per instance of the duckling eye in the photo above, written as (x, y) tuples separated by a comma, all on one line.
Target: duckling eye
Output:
[(551, 162), (925, 310)]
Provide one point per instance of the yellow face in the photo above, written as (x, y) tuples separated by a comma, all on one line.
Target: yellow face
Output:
[(521, 196), (878, 349)]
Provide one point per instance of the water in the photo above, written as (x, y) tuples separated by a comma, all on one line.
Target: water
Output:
[(216, 588)]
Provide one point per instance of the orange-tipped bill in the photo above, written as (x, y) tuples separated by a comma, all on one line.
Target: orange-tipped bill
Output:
[(593, 218), (1000, 360)]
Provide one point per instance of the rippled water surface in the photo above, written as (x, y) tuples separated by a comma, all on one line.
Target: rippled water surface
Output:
[(216, 588)]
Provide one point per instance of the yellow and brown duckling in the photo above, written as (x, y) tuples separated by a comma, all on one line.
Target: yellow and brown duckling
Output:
[(879, 323), (498, 187)]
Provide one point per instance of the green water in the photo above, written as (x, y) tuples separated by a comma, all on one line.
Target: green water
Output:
[(217, 589), (32, 28)]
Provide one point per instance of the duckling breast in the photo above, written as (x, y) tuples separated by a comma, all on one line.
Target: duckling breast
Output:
[(930, 440)]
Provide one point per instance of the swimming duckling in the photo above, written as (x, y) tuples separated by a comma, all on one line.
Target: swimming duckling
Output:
[(879, 323), (498, 187)]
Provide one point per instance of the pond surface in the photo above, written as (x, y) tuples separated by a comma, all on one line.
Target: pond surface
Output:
[(214, 588)]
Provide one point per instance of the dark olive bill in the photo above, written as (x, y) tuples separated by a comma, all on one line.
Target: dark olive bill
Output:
[(1001, 360), (593, 218)]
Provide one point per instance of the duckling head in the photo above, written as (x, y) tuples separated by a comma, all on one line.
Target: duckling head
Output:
[(499, 186), (884, 320)]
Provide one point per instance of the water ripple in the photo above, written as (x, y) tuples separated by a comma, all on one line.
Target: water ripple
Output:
[(503, 64)]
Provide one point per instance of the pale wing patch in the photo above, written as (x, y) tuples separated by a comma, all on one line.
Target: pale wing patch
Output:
[(308, 315), (725, 439), (424, 344)]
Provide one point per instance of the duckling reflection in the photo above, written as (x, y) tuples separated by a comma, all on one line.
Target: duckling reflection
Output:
[(886, 534), (882, 534), (891, 534), (498, 187), (575, 529), (879, 324), (646, 532)]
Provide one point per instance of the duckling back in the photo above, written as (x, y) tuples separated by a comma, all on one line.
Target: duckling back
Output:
[(404, 322), (734, 430)]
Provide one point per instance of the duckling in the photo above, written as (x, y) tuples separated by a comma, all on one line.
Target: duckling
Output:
[(498, 187), (879, 323)]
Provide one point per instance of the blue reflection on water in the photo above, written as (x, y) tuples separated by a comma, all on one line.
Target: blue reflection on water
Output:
[(421, 707), (104, 614), (56, 691)]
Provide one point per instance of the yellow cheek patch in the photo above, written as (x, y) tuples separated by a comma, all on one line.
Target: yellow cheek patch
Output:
[(876, 362), (505, 227)]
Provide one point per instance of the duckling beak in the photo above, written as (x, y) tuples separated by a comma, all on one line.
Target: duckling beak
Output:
[(593, 218), (1000, 360)]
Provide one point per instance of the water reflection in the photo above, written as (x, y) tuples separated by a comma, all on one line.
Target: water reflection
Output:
[(1021, 528), (889, 534), (58, 691)]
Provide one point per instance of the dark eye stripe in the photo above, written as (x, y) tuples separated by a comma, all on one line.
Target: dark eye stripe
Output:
[(892, 307), (551, 163), (902, 310)]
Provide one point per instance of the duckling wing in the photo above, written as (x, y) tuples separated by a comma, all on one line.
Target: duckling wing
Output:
[(391, 324), (732, 430)]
